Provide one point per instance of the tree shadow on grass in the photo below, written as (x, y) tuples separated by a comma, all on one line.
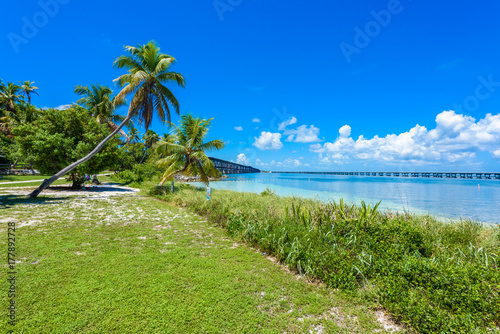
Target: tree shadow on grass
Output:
[(9, 201)]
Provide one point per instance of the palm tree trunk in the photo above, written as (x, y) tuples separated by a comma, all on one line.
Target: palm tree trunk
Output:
[(165, 179), (47, 182), (173, 174), (145, 151), (112, 126)]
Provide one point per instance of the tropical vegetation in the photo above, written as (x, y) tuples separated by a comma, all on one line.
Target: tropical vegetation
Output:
[(58, 137), (184, 153), (147, 73)]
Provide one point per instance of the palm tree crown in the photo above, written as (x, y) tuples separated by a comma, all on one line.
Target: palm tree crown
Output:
[(147, 73), (150, 138), (99, 100), (28, 89), (9, 96), (133, 134), (187, 154)]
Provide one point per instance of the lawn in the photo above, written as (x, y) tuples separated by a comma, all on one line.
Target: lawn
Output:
[(16, 178), (6, 179), (132, 264)]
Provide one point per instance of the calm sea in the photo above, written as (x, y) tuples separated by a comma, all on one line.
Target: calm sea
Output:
[(445, 198)]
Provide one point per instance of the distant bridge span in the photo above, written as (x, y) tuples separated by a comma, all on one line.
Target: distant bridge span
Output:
[(438, 175), (228, 167)]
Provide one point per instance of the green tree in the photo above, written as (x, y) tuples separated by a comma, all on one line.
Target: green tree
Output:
[(148, 71), (58, 137), (187, 154), (9, 96), (10, 99), (28, 89), (133, 147), (150, 138), (133, 135)]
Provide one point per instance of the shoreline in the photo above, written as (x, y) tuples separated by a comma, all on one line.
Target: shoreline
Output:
[(324, 196)]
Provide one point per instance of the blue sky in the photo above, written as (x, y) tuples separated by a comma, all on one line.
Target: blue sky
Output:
[(328, 85)]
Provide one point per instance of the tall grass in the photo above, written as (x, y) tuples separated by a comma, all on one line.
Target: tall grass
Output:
[(432, 276)]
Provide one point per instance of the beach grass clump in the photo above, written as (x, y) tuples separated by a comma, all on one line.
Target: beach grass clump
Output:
[(433, 276)]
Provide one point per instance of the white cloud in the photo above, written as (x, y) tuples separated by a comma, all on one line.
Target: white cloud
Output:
[(456, 138), (242, 159), (345, 131), (256, 120), (259, 162), (268, 141), (284, 124), (292, 162), (238, 128), (63, 107), (303, 134)]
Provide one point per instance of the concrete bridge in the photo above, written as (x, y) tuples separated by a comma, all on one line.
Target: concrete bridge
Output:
[(438, 175), (228, 167)]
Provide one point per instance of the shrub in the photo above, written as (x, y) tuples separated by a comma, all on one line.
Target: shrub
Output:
[(139, 173), (268, 192)]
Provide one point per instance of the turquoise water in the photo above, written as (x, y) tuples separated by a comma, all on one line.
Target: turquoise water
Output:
[(445, 198)]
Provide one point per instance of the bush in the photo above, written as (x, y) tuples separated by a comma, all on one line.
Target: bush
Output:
[(139, 173), (159, 191), (268, 192)]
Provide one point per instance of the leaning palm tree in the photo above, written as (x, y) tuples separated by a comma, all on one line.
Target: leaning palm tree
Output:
[(99, 100), (187, 154), (148, 71), (28, 89)]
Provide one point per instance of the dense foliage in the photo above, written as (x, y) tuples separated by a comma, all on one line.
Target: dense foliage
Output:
[(58, 137), (435, 277), (139, 173)]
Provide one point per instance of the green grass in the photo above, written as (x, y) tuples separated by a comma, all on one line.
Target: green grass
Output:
[(17, 178), (14, 178), (434, 276), (132, 264)]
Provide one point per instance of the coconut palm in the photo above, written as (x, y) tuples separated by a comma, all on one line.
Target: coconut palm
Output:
[(99, 100), (187, 154), (9, 96), (168, 137), (133, 135), (23, 114), (148, 71), (150, 138), (10, 99), (28, 89)]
